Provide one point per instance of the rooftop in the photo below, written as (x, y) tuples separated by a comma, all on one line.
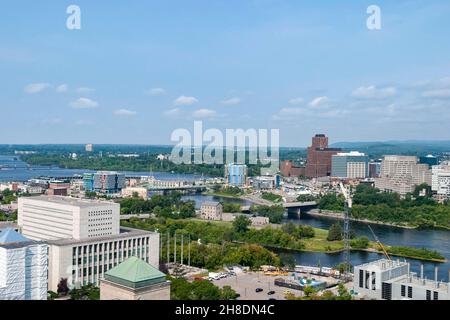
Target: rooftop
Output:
[(70, 201), (124, 233), (210, 203), (9, 235), (135, 273)]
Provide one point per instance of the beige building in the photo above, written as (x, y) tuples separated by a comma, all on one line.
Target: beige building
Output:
[(401, 174), (140, 191), (134, 279), (211, 211), (57, 217), (84, 237)]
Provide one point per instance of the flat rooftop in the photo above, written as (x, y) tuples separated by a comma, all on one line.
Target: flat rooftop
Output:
[(124, 234), (70, 201), (416, 281), (382, 265)]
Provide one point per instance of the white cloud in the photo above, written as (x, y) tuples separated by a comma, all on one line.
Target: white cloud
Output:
[(439, 93), (62, 88), (319, 101), (84, 103), (372, 92), (232, 101), (292, 111), (185, 101), (36, 87), (172, 112), (296, 101), (203, 113), (124, 112), (84, 90), (156, 92)]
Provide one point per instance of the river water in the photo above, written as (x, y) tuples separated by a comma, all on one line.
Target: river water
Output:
[(432, 239), (13, 169)]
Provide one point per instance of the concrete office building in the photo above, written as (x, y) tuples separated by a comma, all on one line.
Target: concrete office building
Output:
[(54, 218), (236, 174), (392, 280), (440, 181), (134, 279), (401, 174), (318, 162), (351, 165), (109, 182), (84, 236), (23, 267)]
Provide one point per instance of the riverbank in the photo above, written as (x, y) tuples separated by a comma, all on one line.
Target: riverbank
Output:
[(340, 216)]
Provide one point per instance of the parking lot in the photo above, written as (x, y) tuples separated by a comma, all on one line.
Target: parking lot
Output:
[(246, 283)]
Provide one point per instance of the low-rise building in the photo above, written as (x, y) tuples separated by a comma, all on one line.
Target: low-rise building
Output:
[(211, 211), (392, 280), (134, 279), (141, 192)]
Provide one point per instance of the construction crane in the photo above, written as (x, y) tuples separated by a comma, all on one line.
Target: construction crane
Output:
[(380, 244), (347, 210)]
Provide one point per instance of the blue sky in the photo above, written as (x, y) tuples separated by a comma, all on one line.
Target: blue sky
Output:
[(137, 70)]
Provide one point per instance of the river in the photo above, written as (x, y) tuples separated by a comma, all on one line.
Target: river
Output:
[(431, 239), (13, 169)]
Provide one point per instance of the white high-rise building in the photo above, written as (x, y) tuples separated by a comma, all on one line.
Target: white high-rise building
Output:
[(402, 174), (23, 267), (57, 217), (441, 179), (84, 237)]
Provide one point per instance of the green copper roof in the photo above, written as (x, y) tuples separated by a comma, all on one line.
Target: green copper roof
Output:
[(135, 273)]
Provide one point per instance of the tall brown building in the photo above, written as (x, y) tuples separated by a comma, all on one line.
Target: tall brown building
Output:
[(318, 162)]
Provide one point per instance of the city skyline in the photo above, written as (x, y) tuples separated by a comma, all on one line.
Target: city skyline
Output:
[(138, 72)]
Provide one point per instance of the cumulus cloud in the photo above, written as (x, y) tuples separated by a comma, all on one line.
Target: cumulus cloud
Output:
[(84, 103), (124, 112), (62, 88), (232, 101), (318, 102), (185, 101), (296, 101), (372, 92), (203, 113), (36, 87), (156, 92)]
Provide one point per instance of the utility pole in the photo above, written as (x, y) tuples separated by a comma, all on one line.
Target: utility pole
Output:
[(182, 247), (175, 248), (189, 251), (168, 248)]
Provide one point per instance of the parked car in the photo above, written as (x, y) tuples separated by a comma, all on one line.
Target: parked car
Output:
[(259, 290), (271, 292)]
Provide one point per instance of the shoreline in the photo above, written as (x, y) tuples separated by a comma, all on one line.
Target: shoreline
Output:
[(336, 215)]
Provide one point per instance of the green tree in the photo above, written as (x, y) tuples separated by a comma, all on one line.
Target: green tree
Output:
[(335, 233), (241, 224)]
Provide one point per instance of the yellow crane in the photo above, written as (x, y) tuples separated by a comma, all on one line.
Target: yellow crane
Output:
[(380, 244)]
